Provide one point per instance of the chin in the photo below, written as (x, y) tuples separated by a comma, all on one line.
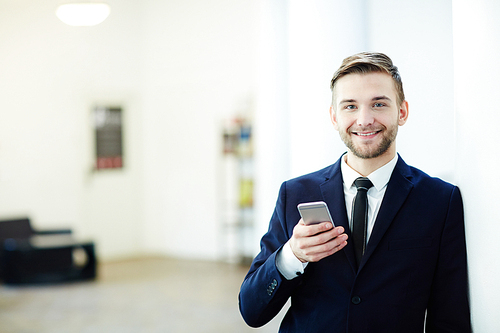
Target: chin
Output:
[(369, 152), (368, 155)]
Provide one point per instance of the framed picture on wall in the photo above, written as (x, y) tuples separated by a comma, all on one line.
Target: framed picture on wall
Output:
[(108, 137)]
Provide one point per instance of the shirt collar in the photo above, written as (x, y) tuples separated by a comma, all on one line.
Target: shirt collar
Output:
[(379, 177)]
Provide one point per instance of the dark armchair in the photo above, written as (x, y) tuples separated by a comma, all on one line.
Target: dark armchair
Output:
[(48, 256)]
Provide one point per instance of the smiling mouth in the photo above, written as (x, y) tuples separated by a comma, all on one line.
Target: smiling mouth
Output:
[(366, 134)]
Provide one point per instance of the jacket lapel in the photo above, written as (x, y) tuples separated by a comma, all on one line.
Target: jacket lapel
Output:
[(333, 194), (398, 189)]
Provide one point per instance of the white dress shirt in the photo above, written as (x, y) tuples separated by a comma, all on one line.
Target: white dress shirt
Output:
[(288, 264)]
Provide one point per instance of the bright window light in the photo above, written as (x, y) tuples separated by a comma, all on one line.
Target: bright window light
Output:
[(83, 14)]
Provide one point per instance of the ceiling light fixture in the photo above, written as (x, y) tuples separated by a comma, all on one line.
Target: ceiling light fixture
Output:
[(83, 14)]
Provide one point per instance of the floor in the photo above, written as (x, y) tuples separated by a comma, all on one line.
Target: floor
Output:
[(145, 295)]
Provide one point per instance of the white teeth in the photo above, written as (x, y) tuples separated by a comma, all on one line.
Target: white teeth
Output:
[(366, 134)]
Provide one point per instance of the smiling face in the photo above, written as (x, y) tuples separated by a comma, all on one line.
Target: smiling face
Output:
[(366, 113)]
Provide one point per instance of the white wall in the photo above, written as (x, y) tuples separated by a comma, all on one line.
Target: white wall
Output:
[(199, 64), (52, 74), (177, 68), (272, 151), (477, 45)]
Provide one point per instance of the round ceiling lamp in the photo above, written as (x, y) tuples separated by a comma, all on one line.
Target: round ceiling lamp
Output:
[(83, 14)]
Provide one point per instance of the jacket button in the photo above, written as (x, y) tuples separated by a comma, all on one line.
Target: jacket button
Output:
[(272, 287), (356, 300)]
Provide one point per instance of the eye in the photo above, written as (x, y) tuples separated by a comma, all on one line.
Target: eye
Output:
[(378, 105), (350, 107)]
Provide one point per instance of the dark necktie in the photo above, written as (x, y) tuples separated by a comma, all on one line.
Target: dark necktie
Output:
[(360, 216)]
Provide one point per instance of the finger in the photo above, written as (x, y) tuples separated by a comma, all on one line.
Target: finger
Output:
[(321, 242), (318, 252), (303, 230), (325, 237), (340, 230)]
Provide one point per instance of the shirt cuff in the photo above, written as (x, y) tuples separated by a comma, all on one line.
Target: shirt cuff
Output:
[(288, 264)]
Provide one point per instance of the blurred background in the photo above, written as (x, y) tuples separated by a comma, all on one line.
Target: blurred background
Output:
[(220, 102)]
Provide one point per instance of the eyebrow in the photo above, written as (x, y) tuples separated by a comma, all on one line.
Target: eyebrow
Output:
[(377, 98), (381, 98), (347, 101)]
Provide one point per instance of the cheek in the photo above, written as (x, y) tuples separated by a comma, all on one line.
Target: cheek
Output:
[(343, 124), (388, 120)]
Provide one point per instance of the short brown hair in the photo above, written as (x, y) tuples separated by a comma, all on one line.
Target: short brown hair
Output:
[(369, 62)]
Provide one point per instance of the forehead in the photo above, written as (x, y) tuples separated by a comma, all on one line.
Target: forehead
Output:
[(364, 86)]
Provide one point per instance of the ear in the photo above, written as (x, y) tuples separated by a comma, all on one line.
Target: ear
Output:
[(403, 113), (333, 118)]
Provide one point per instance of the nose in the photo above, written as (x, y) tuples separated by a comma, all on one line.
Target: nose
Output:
[(365, 117)]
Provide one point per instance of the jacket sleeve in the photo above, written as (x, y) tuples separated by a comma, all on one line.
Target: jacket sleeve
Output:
[(264, 290), (448, 308)]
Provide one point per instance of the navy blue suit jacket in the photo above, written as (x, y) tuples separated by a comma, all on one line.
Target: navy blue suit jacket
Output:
[(415, 264)]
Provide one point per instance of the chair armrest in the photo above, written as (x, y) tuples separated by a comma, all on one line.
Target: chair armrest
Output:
[(52, 231)]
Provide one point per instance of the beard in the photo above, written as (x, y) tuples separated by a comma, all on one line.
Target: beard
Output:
[(366, 151)]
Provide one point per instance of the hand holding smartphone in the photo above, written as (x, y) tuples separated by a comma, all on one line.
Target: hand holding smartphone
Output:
[(304, 245), (315, 212)]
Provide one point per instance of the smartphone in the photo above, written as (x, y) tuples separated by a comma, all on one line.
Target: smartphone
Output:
[(315, 212)]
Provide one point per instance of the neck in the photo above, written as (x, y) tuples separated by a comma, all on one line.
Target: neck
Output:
[(365, 166)]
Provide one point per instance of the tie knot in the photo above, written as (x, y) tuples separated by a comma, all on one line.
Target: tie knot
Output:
[(363, 183)]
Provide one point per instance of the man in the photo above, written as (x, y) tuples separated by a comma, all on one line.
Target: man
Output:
[(409, 270)]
